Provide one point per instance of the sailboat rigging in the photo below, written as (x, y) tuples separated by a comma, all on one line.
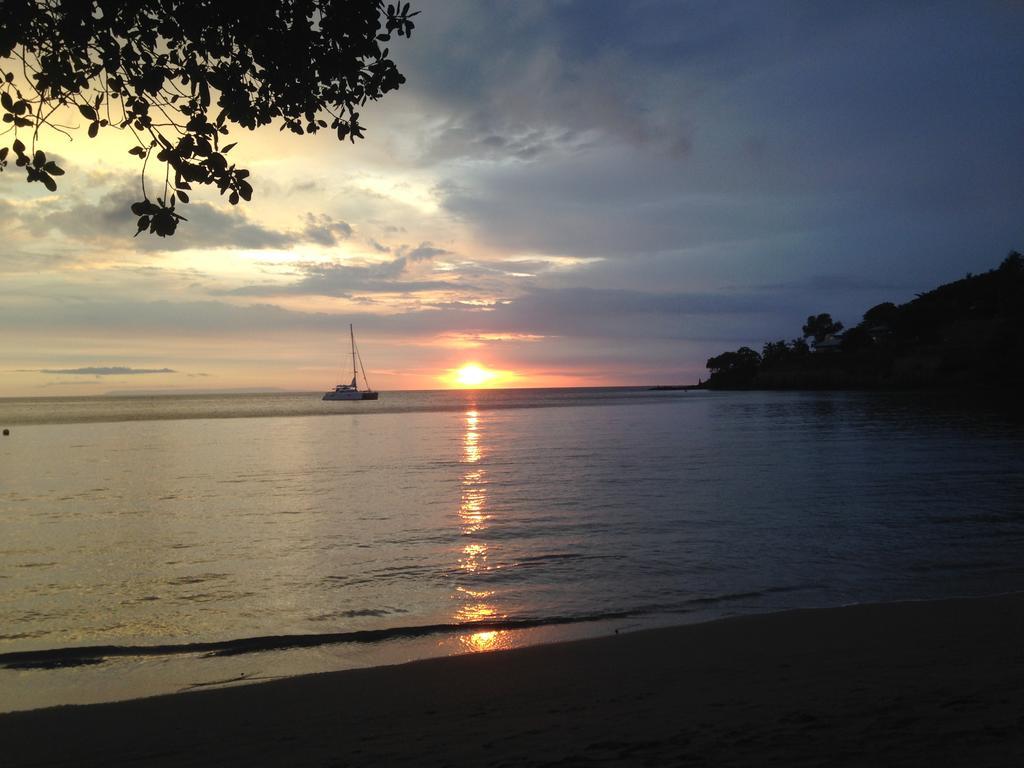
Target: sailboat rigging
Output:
[(352, 391)]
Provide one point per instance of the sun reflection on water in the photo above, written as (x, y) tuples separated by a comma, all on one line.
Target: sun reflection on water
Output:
[(487, 640), (475, 605), (474, 499), (471, 449), (474, 558)]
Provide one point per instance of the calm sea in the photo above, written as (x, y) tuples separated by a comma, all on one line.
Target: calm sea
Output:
[(153, 544)]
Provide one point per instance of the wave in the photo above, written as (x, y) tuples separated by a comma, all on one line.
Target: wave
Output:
[(54, 658), (110, 409)]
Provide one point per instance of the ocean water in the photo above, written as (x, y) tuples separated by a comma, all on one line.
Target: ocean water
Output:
[(153, 544)]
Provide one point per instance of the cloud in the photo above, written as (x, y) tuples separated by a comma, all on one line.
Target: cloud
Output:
[(568, 313), (649, 127), (816, 284), (116, 370), (344, 280), (324, 230), (108, 220), (424, 252)]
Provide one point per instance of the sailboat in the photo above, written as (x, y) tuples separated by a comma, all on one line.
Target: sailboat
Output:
[(352, 391)]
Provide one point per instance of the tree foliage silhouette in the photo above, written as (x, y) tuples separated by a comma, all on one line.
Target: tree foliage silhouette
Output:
[(883, 314), (179, 74), (735, 369), (821, 327), (968, 333)]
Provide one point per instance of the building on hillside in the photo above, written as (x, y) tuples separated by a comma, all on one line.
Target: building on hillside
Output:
[(830, 343)]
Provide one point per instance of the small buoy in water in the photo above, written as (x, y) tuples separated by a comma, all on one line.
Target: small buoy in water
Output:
[(7, 432)]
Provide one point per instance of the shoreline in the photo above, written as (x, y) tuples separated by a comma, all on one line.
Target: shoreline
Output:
[(912, 683)]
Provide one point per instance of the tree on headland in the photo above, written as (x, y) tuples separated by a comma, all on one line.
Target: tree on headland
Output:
[(178, 74), (883, 314), (820, 327), (773, 352), (1013, 264), (966, 333), (735, 369)]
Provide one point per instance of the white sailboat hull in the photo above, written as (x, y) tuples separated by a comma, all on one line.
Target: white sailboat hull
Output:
[(350, 395)]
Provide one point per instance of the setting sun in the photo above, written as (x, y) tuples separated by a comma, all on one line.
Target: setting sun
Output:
[(472, 375), (475, 376)]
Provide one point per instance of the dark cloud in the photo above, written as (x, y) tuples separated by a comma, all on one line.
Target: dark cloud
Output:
[(110, 219), (343, 280), (324, 230), (116, 370), (624, 314), (835, 284), (160, 318), (215, 227), (208, 226), (423, 252), (739, 141), (569, 313)]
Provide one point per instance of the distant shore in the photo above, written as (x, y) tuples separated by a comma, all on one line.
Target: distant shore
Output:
[(965, 334), (922, 683)]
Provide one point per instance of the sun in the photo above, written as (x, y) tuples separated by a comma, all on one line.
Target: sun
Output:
[(473, 375), (476, 376)]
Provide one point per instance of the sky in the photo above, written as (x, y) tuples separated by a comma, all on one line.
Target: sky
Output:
[(565, 193)]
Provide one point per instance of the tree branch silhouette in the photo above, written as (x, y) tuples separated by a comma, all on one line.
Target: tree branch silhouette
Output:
[(179, 74)]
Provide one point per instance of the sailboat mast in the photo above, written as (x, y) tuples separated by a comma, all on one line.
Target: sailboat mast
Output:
[(363, 369), (352, 338)]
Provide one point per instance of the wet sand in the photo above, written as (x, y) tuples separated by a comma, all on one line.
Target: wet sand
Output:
[(932, 683)]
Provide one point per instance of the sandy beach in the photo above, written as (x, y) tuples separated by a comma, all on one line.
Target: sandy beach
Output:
[(928, 683)]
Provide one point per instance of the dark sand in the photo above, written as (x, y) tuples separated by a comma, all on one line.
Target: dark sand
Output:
[(929, 684)]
